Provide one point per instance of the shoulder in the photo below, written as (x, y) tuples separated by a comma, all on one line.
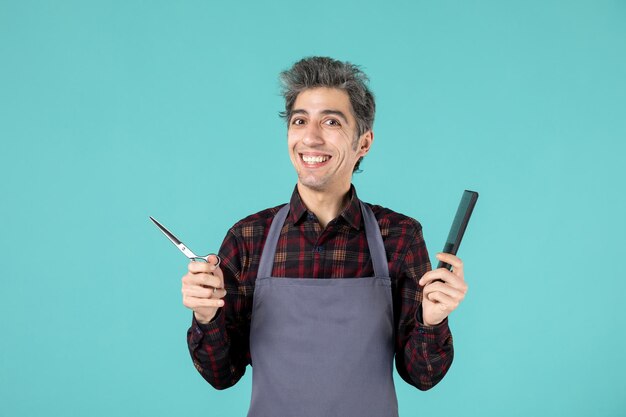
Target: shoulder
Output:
[(392, 223), (255, 225), (244, 241), (403, 240)]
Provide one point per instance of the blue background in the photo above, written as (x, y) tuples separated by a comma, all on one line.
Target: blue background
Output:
[(114, 111)]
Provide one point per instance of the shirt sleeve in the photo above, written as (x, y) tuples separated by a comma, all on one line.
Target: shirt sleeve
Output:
[(220, 349), (423, 353)]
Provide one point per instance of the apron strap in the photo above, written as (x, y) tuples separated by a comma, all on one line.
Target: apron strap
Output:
[(269, 248), (375, 242), (372, 232)]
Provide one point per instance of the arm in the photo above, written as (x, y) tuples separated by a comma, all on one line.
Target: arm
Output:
[(219, 347), (423, 353)]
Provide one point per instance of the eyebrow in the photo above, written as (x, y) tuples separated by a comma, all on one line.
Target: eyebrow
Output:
[(324, 112)]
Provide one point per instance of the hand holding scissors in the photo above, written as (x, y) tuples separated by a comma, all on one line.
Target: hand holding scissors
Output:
[(203, 286)]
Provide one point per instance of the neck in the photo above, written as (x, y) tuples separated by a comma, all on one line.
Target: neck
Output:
[(326, 205)]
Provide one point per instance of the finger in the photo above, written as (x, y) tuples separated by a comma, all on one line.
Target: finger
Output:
[(213, 260), (219, 293), (455, 261), (204, 292), (444, 302), (448, 290), (207, 280), (442, 274), (198, 291), (200, 267), (194, 302), (219, 274), (210, 302)]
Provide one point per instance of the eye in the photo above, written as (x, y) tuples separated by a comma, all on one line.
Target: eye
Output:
[(332, 122)]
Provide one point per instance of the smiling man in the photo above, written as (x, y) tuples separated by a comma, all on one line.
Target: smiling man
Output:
[(325, 147), (321, 294)]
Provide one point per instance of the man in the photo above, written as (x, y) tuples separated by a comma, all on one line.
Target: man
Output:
[(320, 294)]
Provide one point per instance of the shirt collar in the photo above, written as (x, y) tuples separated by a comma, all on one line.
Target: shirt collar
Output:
[(351, 213)]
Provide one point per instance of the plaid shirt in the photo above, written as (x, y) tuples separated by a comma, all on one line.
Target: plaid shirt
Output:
[(220, 349)]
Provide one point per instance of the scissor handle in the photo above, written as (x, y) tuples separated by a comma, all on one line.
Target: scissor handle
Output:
[(206, 259)]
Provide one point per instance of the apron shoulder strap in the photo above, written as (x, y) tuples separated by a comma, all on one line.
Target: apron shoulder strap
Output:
[(269, 248), (375, 242)]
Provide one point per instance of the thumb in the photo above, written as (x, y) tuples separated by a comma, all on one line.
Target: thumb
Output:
[(214, 259)]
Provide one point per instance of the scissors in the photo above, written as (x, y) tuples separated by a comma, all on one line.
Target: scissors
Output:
[(184, 249)]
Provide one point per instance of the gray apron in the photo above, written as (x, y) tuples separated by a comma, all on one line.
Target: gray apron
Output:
[(323, 347)]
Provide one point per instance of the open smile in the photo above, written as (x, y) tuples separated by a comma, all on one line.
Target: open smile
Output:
[(314, 160)]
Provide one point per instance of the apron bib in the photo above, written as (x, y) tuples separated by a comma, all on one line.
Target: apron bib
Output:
[(323, 347)]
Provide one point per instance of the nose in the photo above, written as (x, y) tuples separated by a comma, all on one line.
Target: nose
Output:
[(312, 135)]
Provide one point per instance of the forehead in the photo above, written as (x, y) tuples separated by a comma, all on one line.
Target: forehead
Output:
[(323, 98)]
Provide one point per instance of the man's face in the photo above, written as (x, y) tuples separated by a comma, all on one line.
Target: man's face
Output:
[(322, 139)]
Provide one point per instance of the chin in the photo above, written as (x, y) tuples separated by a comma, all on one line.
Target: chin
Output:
[(315, 185)]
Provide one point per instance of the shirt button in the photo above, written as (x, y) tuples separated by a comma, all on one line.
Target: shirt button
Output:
[(310, 216), (318, 249)]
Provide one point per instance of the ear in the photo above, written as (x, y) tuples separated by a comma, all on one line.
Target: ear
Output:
[(365, 143)]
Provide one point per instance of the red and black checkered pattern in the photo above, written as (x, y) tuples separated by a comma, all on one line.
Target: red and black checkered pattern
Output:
[(220, 349)]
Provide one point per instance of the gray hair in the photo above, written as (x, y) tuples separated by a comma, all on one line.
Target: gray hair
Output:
[(317, 71)]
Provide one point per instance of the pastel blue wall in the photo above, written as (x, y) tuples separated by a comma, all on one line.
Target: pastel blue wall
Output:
[(114, 111)]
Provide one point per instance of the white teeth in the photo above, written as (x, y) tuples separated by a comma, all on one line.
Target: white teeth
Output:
[(314, 159)]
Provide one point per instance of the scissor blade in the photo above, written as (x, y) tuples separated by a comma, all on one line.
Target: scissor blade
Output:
[(188, 253), (166, 232)]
